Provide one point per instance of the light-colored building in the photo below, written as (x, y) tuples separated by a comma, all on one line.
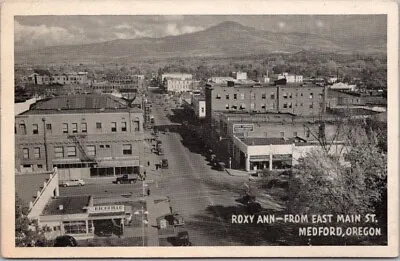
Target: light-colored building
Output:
[(199, 106), (177, 85), (220, 80), (180, 76), (291, 78), (84, 136), (253, 154), (343, 87), (239, 75)]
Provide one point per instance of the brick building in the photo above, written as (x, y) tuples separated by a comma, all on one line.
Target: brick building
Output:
[(84, 136)]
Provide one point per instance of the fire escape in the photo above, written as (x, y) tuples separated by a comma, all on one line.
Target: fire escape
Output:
[(79, 140)]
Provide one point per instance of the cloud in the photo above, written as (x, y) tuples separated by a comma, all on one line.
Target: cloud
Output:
[(43, 35), (174, 29)]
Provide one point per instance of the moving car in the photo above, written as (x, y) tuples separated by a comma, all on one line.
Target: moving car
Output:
[(73, 182), (126, 179), (65, 241)]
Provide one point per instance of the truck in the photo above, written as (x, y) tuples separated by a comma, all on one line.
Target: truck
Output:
[(125, 179)]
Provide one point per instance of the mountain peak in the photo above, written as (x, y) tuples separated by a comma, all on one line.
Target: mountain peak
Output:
[(230, 25)]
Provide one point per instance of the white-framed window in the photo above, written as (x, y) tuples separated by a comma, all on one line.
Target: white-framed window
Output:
[(127, 149), (84, 127), (71, 151), (74, 127), (36, 153), (113, 127), (25, 152), (65, 127), (123, 126), (35, 129), (242, 96), (59, 152), (91, 150)]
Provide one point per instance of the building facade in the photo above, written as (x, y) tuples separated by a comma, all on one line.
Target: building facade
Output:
[(84, 136), (303, 100), (199, 107)]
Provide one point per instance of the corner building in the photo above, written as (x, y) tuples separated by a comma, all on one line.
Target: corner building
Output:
[(84, 136)]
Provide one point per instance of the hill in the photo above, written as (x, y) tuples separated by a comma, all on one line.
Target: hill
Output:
[(227, 39)]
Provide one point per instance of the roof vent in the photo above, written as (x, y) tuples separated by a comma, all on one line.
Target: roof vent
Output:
[(60, 207)]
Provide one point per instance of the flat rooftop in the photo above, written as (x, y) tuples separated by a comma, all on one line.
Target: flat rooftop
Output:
[(83, 103), (27, 185), (71, 205)]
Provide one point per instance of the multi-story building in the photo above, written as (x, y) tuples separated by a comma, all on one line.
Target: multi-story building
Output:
[(239, 75), (84, 136), (181, 76), (291, 78), (296, 99), (178, 85), (199, 106)]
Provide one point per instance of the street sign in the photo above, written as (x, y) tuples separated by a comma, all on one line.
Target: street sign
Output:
[(106, 209), (240, 128)]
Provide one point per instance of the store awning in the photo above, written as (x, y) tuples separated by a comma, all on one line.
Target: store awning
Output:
[(118, 163)]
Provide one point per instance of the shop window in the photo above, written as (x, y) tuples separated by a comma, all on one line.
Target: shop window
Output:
[(123, 126), (36, 152), (35, 129), (59, 152), (127, 149), (113, 127), (91, 150), (65, 127), (71, 151), (74, 127), (25, 152), (84, 127), (74, 227)]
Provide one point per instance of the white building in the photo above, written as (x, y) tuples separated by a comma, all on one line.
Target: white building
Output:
[(180, 76), (240, 75), (179, 85), (343, 87), (219, 80), (291, 78), (199, 107)]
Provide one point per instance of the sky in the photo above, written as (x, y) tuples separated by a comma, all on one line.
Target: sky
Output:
[(33, 32)]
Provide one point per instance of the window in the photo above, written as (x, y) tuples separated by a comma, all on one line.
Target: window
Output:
[(48, 127), (65, 127), (127, 149), (113, 126), (136, 125), (301, 94), (35, 129), (290, 95), (107, 146), (285, 95), (311, 95), (98, 125), (321, 95), (74, 127), (282, 133), (202, 109), (22, 128), (26, 153), (91, 150), (75, 227), (227, 96), (235, 96), (290, 105), (59, 152), (242, 96), (71, 151), (123, 126), (84, 127), (36, 152), (227, 106), (218, 97), (272, 96), (285, 105), (40, 166), (263, 96), (311, 106), (101, 146)]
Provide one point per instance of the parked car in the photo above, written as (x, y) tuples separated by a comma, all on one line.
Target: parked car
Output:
[(220, 166), (125, 179), (182, 239), (164, 163), (73, 182), (65, 241)]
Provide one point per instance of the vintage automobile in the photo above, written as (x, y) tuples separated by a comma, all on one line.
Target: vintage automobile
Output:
[(65, 241), (182, 239), (164, 164), (72, 183)]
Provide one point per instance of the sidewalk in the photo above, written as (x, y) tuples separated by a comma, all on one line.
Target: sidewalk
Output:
[(238, 173)]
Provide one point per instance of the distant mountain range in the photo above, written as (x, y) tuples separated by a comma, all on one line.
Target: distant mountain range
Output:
[(227, 39)]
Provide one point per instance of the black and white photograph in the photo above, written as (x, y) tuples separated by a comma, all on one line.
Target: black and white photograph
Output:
[(176, 132)]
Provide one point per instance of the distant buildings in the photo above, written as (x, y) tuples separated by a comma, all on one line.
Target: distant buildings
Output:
[(291, 78), (199, 106), (84, 136), (296, 99), (343, 87), (178, 82), (239, 75), (45, 78)]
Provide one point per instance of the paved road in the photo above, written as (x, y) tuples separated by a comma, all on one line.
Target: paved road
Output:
[(205, 197)]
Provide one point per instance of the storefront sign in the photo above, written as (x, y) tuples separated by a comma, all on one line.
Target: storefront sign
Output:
[(106, 209), (240, 128)]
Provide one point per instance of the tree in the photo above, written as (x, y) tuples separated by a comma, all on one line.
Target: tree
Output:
[(27, 232)]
